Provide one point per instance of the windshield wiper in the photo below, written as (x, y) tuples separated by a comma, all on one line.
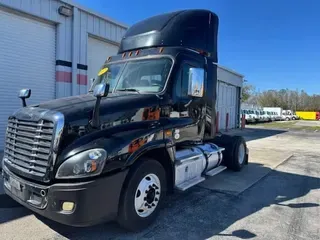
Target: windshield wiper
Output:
[(128, 90)]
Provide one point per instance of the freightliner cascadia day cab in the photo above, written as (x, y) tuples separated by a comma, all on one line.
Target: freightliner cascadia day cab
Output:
[(145, 129)]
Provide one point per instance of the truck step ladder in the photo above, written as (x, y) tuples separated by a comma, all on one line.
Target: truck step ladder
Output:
[(215, 171), (190, 183)]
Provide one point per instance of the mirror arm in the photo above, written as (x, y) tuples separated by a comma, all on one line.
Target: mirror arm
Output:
[(95, 123), (24, 104), (187, 104), (101, 90)]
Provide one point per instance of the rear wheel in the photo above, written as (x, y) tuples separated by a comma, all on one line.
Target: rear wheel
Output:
[(142, 195), (235, 153)]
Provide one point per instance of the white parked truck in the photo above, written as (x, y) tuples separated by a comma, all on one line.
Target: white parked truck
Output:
[(291, 114), (250, 115), (276, 110)]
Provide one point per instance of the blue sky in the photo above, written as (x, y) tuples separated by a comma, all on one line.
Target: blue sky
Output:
[(274, 43)]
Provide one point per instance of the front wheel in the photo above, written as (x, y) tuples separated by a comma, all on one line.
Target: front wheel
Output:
[(142, 195)]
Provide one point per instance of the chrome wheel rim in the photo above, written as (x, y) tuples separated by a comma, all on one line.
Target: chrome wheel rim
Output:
[(241, 153), (147, 195)]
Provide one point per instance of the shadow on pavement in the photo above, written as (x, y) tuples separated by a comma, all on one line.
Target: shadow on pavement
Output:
[(242, 234), (251, 134), (8, 202), (7, 215), (299, 205), (200, 213)]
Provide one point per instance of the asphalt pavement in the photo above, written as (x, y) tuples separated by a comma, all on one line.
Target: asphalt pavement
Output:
[(282, 204)]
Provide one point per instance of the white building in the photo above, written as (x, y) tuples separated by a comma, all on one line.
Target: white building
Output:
[(52, 47), (55, 46), (228, 98)]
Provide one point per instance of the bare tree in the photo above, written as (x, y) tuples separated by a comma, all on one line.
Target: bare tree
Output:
[(284, 98), (247, 91)]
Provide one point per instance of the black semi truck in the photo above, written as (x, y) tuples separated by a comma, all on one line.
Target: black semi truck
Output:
[(145, 129)]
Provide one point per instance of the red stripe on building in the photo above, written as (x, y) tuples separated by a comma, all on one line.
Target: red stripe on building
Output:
[(66, 77), (82, 79), (62, 76)]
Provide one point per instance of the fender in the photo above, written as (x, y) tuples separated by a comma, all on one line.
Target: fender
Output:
[(156, 144), (124, 145)]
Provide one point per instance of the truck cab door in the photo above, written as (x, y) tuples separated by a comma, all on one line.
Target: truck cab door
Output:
[(189, 110)]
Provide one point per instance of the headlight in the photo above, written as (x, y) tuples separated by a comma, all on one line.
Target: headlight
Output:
[(85, 164)]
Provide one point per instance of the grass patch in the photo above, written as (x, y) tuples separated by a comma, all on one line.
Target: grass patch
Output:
[(288, 125)]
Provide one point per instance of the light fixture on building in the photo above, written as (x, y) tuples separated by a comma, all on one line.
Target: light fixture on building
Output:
[(65, 11)]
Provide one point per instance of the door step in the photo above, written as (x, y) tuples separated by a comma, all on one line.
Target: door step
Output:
[(190, 183), (215, 171)]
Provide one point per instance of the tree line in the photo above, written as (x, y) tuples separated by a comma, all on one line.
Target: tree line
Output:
[(284, 98)]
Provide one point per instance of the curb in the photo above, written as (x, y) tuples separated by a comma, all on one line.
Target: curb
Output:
[(236, 194), (267, 174)]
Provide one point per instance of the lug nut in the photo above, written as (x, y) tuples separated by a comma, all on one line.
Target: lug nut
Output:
[(145, 199), (43, 193), (156, 199), (157, 193), (149, 206), (153, 204), (146, 204)]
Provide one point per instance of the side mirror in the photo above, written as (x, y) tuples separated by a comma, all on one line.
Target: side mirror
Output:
[(196, 82), (23, 94), (101, 90)]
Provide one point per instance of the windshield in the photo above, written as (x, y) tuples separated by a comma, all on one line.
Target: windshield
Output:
[(147, 75)]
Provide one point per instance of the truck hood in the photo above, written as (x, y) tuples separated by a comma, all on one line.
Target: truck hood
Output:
[(79, 109)]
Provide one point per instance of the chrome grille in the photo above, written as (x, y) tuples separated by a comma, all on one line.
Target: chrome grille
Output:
[(28, 145)]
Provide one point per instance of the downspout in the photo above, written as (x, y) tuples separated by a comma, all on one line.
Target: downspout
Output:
[(75, 50)]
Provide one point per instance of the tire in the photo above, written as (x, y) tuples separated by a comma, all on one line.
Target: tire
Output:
[(293, 118), (140, 178), (232, 145), (287, 119)]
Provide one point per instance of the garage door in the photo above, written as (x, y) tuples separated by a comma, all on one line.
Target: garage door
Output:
[(227, 100), (27, 60), (98, 52)]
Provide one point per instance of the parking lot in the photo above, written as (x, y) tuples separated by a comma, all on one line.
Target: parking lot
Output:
[(276, 196)]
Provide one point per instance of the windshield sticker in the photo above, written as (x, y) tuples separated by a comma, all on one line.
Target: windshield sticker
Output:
[(102, 71)]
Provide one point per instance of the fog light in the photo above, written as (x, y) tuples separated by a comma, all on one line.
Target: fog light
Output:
[(67, 206)]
